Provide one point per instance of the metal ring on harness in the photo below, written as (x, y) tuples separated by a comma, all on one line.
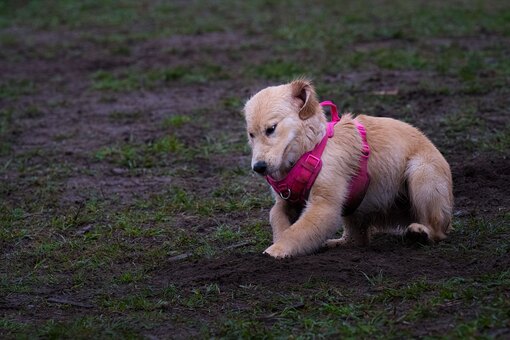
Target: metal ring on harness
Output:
[(286, 197)]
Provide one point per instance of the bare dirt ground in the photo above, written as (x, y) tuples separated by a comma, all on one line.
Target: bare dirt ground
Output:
[(128, 207)]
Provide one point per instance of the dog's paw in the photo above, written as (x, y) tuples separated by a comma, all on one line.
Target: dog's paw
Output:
[(278, 251), (334, 242), (417, 234)]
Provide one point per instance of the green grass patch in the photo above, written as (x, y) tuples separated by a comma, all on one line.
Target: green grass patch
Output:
[(167, 144), (469, 127), (15, 88), (498, 141), (171, 148), (5, 121), (462, 122), (278, 70), (226, 234), (234, 104), (131, 80), (385, 58), (136, 19), (116, 44), (181, 200), (12, 326), (175, 121), (141, 156), (86, 327), (131, 277), (324, 311)]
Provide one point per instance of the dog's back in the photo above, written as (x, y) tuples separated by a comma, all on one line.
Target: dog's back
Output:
[(410, 180)]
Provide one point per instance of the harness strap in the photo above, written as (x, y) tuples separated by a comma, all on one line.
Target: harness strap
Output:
[(296, 186), (359, 183)]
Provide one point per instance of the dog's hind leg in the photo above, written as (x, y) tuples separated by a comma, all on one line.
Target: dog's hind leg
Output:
[(429, 185), (356, 235)]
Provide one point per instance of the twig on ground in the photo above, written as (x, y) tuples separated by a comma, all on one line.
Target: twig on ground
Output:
[(241, 244), (179, 257), (391, 92), (84, 230)]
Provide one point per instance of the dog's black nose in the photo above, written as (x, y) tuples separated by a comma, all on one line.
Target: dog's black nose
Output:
[(260, 167)]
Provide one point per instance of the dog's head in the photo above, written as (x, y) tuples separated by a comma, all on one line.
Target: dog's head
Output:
[(283, 122)]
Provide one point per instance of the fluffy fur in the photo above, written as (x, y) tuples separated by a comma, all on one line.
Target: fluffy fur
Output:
[(410, 188)]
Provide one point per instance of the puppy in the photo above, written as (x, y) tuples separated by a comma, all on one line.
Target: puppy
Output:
[(410, 188)]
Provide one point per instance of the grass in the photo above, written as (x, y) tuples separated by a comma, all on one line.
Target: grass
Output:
[(172, 148), (222, 201), (5, 121), (176, 121), (461, 122), (109, 225), (86, 327), (130, 80), (15, 88), (499, 141), (278, 70), (324, 311), (469, 128), (146, 155)]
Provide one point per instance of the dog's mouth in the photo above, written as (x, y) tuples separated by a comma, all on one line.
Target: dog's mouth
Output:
[(285, 167), (290, 162)]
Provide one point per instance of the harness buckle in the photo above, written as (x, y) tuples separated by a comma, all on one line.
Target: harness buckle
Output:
[(287, 196), (313, 161)]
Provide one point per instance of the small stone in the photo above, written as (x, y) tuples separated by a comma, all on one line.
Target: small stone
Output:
[(84, 230), (118, 171)]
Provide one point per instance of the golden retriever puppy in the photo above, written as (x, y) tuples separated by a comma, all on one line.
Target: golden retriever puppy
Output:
[(410, 187)]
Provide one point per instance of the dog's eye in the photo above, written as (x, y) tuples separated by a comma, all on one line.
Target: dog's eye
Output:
[(252, 135), (270, 130)]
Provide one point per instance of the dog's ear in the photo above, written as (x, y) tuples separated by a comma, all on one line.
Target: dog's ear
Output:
[(304, 93)]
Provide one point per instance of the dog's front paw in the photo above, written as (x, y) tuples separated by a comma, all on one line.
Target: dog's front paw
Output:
[(279, 251)]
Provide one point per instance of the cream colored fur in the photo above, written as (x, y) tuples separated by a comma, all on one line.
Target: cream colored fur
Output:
[(410, 188)]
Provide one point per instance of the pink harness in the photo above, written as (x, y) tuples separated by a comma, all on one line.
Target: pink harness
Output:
[(296, 186)]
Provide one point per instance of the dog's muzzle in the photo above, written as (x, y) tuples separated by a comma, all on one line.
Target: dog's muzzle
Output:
[(260, 167)]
